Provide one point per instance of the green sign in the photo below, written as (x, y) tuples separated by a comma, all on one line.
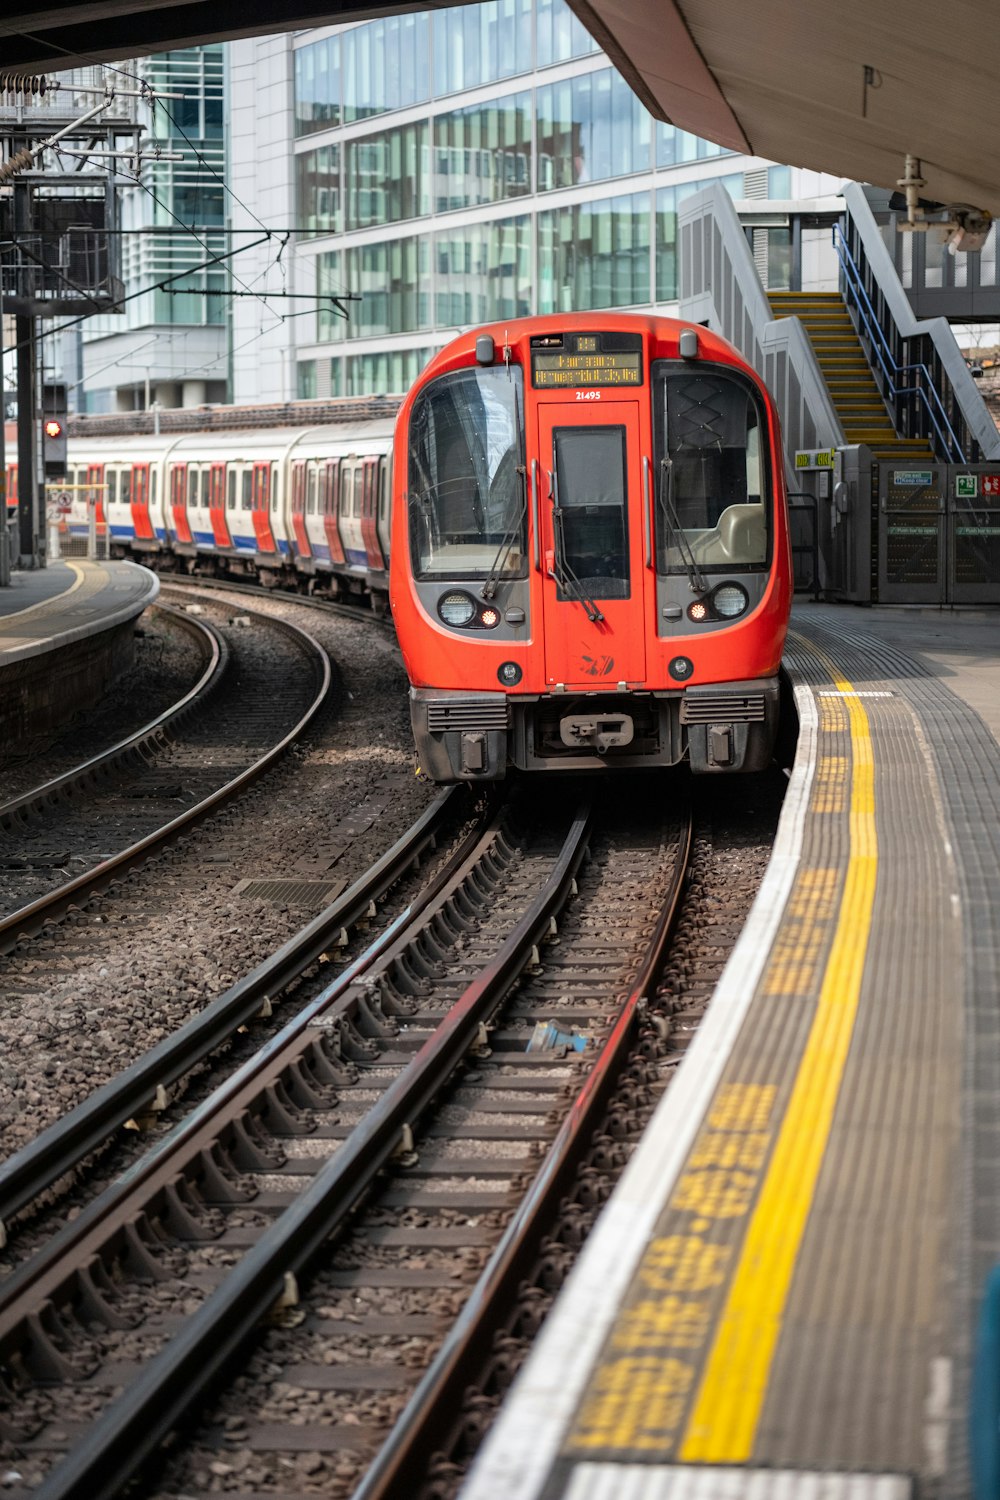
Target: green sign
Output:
[(977, 530), (966, 486), (913, 531)]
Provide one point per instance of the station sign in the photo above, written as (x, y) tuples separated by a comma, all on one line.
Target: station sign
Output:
[(814, 458), (967, 486), (912, 479), (991, 484)]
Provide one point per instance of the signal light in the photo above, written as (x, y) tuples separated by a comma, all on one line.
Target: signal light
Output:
[(490, 617), (53, 428), (698, 610)]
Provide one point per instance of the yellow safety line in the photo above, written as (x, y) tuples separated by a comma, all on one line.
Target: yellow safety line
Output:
[(723, 1423)]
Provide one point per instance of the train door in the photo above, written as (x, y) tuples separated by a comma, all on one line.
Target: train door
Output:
[(95, 497), (262, 507), (331, 512), (369, 514), (217, 505), (178, 478), (303, 481), (593, 544), (142, 523)]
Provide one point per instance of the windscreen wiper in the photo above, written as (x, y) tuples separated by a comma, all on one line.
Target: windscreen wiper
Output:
[(515, 528), (666, 495), (561, 570)]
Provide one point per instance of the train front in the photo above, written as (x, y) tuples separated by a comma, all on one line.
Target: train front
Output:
[(590, 560)]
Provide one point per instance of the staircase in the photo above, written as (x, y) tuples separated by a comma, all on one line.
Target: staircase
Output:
[(848, 375)]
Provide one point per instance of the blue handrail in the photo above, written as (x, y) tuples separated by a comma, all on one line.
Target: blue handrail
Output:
[(880, 347)]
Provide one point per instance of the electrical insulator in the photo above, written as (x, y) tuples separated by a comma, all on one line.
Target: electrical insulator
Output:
[(23, 86)]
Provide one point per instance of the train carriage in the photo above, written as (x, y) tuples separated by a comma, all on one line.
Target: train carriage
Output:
[(591, 562)]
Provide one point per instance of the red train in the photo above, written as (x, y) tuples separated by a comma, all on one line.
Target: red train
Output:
[(590, 564)]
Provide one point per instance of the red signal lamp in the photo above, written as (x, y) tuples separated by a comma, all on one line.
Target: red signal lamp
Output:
[(53, 428)]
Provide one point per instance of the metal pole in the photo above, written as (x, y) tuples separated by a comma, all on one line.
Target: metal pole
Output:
[(26, 426)]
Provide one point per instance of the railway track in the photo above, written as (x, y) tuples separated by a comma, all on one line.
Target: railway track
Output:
[(65, 841), (386, 1140)]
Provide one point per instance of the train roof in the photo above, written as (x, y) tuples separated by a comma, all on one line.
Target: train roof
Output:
[(206, 447)]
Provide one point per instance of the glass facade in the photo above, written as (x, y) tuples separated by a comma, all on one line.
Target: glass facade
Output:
[(594, 255), (386, 65), (447, 268), (559, 36), (482, 153), (590, 128), (483, 272), (317, 86), (386, 176), (318, 191), (477, 44)]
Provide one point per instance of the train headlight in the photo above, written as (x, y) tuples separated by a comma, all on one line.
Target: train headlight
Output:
[(698, 611), (730, 600), (457, 609), (489, 617)]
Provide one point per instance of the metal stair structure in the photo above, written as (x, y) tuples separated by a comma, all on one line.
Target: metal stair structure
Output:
[(849, 378)]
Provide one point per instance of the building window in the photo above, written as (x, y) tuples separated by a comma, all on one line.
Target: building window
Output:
[(317, 86), (483, 273), (779, 182), (318, 191), (389, 373), (559, 35), (385, 66), (477, 44), (482, 154), (386, 176), (331, 325), (590, 128), (676, 147), (594, 255), (306, 379), (393, 279)]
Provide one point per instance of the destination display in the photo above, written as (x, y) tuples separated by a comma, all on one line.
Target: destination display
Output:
[(551, 370)]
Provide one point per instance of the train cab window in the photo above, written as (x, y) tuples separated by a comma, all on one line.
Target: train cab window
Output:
[(711, 478), (467, 498), (247, 489), (591, 520)]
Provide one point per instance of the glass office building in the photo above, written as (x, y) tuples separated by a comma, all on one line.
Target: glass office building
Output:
[(480, 163), (169, 343)]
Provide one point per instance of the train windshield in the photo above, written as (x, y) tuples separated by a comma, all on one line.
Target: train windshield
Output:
[(467, 500), (711, 478)]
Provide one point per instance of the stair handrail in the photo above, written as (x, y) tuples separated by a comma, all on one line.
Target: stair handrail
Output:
[(889, 365)]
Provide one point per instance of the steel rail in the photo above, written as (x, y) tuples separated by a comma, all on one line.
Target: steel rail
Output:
[(152, 734), (60, 1148), (176, 1380), (422, 1427), (364, 614), (28, 920)]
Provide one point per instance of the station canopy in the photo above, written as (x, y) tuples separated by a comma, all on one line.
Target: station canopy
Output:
[(850, 87)]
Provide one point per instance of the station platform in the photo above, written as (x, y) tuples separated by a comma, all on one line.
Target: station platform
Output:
[(65, 634), (781, 1300)]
